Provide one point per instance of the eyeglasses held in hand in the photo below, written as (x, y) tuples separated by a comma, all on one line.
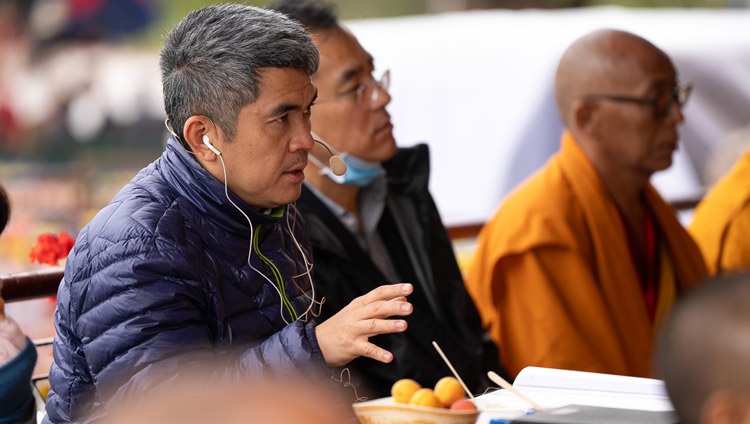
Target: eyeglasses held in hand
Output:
[(662, 103)]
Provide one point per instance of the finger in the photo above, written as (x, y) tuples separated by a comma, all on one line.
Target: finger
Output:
[(374, 327), (379, 354), (385, 292), (385, 309)]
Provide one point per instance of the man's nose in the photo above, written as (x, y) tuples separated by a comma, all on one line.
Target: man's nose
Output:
[(302, 140)]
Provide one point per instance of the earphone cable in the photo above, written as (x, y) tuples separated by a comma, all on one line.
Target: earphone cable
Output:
[(250, 248)]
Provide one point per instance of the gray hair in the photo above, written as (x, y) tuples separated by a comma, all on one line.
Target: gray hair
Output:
[(313, 14), (211, 61)]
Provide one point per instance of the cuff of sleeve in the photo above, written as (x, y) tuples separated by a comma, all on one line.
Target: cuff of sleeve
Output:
[(315, 351)]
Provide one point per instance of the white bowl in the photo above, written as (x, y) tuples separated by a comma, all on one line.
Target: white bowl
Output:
[(386, 411)]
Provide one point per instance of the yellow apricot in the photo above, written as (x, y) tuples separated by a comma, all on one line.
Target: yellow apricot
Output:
[(425, 397), (403, 389), (448, 390)]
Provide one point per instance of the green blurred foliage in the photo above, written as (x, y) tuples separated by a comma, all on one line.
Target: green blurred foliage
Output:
[(174, 10)]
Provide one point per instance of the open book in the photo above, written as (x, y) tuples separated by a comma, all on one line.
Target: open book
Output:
[(554, 388)]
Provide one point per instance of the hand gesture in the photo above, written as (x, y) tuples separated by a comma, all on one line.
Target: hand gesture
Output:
[(344, 336)]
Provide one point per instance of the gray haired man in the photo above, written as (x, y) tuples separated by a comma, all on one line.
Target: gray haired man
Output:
[(202, 255)]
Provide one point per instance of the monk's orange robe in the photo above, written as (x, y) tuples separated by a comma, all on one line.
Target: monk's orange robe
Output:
[(553, 279), (721, 224)]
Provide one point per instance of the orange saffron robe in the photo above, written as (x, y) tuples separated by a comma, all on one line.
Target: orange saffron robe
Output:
[(553, 279), (721, 223)]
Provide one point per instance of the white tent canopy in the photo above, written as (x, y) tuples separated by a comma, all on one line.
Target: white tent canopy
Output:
[(477, 87)]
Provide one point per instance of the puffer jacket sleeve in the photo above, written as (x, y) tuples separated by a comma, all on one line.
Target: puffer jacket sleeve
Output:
[(288, 351), (123, 324), (115, 325)]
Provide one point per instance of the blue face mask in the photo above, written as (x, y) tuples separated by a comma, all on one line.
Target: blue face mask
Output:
[(359, 172)]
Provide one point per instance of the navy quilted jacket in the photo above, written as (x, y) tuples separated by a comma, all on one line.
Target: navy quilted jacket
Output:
[(162, 271)]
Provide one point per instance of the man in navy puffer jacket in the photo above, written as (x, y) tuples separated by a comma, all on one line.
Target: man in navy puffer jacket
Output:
[(202, 255)]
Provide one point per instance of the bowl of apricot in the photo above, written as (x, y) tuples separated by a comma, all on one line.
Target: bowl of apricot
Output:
[(412, 403)]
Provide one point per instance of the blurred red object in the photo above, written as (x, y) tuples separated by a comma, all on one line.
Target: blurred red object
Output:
[(50, 248)]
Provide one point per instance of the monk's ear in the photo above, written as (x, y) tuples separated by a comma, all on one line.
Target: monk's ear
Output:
[(584, 114)]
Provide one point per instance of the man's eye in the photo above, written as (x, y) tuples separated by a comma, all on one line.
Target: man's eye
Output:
[(663, 99), (356, 89), (282, 118)]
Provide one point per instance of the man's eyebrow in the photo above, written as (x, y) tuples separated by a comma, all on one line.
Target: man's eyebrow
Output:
[(348, 75), (286, 107), (283, 108), (351, 73)]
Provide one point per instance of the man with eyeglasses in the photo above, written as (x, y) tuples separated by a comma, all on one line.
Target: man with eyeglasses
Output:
[(377, 223), (582, 262)]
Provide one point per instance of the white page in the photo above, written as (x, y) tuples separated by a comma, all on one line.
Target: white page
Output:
[(551, 378), (552, 388)]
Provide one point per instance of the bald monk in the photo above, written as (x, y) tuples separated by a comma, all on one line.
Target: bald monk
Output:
[(584, 259), (721, 224), (702, 356)]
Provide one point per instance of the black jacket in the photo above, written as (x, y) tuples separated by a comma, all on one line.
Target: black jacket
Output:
[(423, 255)]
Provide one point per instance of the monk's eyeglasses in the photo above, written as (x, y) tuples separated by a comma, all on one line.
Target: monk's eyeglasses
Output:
[(662, 103)]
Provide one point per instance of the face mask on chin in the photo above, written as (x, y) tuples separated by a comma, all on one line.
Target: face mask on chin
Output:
[(359, 172)]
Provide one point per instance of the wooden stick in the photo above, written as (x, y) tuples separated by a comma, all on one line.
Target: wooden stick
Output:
[(507, 386), (453, 370)]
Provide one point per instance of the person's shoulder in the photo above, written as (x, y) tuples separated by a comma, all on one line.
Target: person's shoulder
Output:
[(545, 194), (540, 211), (143, 214), (135, 211), (730, 194), (410, 166)]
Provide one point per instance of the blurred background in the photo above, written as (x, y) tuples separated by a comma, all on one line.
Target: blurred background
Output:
[(81, 109)]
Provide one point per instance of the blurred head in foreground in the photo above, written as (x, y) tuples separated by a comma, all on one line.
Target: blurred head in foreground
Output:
[(703, 354), (201, 398)]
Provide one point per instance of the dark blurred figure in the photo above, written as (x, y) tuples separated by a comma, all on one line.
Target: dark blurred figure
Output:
[(17, 357), (703, 352), (198, 395), (77, 20)]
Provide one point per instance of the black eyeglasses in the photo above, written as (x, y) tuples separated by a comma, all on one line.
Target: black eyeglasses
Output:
[(662, 103)]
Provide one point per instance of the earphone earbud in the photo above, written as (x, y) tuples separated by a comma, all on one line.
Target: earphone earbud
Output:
[(210, 146)]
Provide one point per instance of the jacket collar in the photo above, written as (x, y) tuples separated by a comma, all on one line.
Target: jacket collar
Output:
[(409, 169), (183, 172)]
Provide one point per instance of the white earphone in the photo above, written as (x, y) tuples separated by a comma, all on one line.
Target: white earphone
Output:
[(284, 301), (210, 146)]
